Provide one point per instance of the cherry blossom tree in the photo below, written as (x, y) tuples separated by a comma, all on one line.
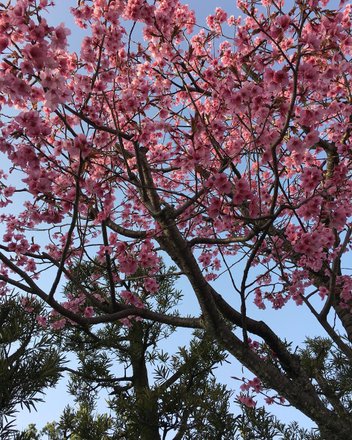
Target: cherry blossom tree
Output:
[(225, 147), (152, 393)]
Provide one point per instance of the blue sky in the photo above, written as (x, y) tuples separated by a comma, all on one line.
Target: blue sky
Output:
[(295, 324)]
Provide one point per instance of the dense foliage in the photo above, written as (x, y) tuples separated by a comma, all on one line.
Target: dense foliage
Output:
[(29, 362)]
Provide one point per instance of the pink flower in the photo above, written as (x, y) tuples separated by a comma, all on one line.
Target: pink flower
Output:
[(242, 191), (27, 304), (258, 300), (214, 207), (127, 322), (283, 21), (247, 400), (221, 183), (88, 312), (42, 321), (132, 299), (59, 39), (323, 292), (312, 138), (205, 259), (3, 43), (59, 324), (151, 285), (311, 178), (295, 144), (281, 77), (127, 265), (37, 54)]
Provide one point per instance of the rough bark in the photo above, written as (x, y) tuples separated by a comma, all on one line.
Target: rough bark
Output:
[(146, 404), (291, 382)]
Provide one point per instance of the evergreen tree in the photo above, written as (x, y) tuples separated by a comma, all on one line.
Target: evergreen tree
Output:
[(29, 362), (151, 392)]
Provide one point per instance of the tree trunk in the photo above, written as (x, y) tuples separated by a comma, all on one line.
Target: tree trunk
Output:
[(146, 403), (293, 383), (345, 316)]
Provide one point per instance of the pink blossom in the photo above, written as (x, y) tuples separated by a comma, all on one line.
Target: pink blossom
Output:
[(214, 207), (58, 324), (323, 292), (3, 43), (127, 265), (283, 21), (295, 144), (258, 300), (132, 299), (37, 54), (311, 178), (246, 400), (242, 191), (60, 34), (221, 183), (27, 304), (42, 321), (127, 322), (269, 400), (205, 259), (151, 285), (213, 152), (88, 312), (9, 191)]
